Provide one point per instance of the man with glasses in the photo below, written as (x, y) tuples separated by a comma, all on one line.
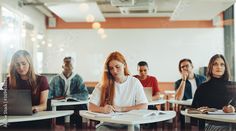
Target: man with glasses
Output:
[(69, 84), (187, 85)]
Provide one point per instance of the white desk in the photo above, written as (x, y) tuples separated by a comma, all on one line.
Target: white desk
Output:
[(181, 102), (220, 118), (38, 116), (131, 120), (55, 103), (157, 102)]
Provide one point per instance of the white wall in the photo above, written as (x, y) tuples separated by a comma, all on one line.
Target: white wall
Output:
[(161, 48)]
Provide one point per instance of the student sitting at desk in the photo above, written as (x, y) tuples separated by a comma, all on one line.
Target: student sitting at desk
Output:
[(118, 91), (22, 76), (214, 92), (69, 84), (148, 81), (187, 85)]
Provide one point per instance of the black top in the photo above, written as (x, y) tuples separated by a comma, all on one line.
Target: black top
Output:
[(42, 84), (214, 93)]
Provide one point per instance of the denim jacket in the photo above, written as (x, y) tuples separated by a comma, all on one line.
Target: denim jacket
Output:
[(188, 88), (77, 87)]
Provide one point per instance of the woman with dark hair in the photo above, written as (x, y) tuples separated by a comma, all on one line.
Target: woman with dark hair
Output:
[(22, 76), (214, 93), (118, 91)]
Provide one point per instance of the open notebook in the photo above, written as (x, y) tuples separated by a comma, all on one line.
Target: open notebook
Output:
[(136, 113), (144, 113), (69, 99)]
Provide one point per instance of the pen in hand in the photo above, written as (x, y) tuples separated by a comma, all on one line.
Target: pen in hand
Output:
[(230, 102)]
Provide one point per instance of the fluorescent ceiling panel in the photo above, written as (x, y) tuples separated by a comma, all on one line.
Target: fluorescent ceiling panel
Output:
[(71, 12), (200, 9)]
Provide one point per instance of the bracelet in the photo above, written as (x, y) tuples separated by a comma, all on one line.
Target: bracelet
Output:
[(183, 80)]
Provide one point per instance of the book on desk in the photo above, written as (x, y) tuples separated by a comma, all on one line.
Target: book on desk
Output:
[(69, 99), (137, 113)]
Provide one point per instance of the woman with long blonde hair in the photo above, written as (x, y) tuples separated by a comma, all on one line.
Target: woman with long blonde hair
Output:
[(22, 76), (118, 91)]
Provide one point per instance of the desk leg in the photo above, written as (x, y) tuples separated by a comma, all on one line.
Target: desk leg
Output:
[(67, 119), (230, 127), (132, 127), (54, 108)]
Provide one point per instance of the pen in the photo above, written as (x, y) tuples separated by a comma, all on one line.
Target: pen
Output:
[(230, 101)]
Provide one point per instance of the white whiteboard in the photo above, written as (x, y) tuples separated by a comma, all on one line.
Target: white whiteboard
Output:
[(161, 48)]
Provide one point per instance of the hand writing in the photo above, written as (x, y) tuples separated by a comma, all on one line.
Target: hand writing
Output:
[(108, 109), (118, 109)]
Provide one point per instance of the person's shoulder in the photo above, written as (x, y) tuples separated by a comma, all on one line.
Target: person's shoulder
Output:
[(152, 77), (98, 86), (136, 76), (56, 77), (178, 81), (77, 76), (132, 78), (204, 85), (200, 76), (41, 77)]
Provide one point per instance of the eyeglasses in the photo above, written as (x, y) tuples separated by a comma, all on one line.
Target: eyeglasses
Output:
[(183, 66)]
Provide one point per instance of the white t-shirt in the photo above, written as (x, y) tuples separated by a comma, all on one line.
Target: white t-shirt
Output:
[(194, 86), (129, 93)]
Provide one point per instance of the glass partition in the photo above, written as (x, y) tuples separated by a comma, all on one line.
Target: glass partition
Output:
[(10, 39)]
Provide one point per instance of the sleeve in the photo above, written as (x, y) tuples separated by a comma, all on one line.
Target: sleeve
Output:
[(176, 85), (140, 96), (95, 97), (83, 91), (43, 85), (51, 93), (155, 85)]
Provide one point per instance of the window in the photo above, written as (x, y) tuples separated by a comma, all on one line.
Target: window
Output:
[(10, 39)]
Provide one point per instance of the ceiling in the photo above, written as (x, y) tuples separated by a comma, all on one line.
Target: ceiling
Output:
[(70, 10)]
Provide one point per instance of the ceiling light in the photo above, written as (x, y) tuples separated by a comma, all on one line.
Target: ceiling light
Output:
[(40, 36), (101, 31), (96, 25), (33, 39), (104, 36), (49, 45), (43, 43), (90, 18)]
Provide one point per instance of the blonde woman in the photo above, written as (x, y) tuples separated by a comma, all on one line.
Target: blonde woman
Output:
[(118, 91), (22, 76)]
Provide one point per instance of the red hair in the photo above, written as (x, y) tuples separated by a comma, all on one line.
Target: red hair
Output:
[(108, 81)]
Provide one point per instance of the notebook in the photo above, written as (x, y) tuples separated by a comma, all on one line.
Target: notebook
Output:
[(15, 102), (148, 93)]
